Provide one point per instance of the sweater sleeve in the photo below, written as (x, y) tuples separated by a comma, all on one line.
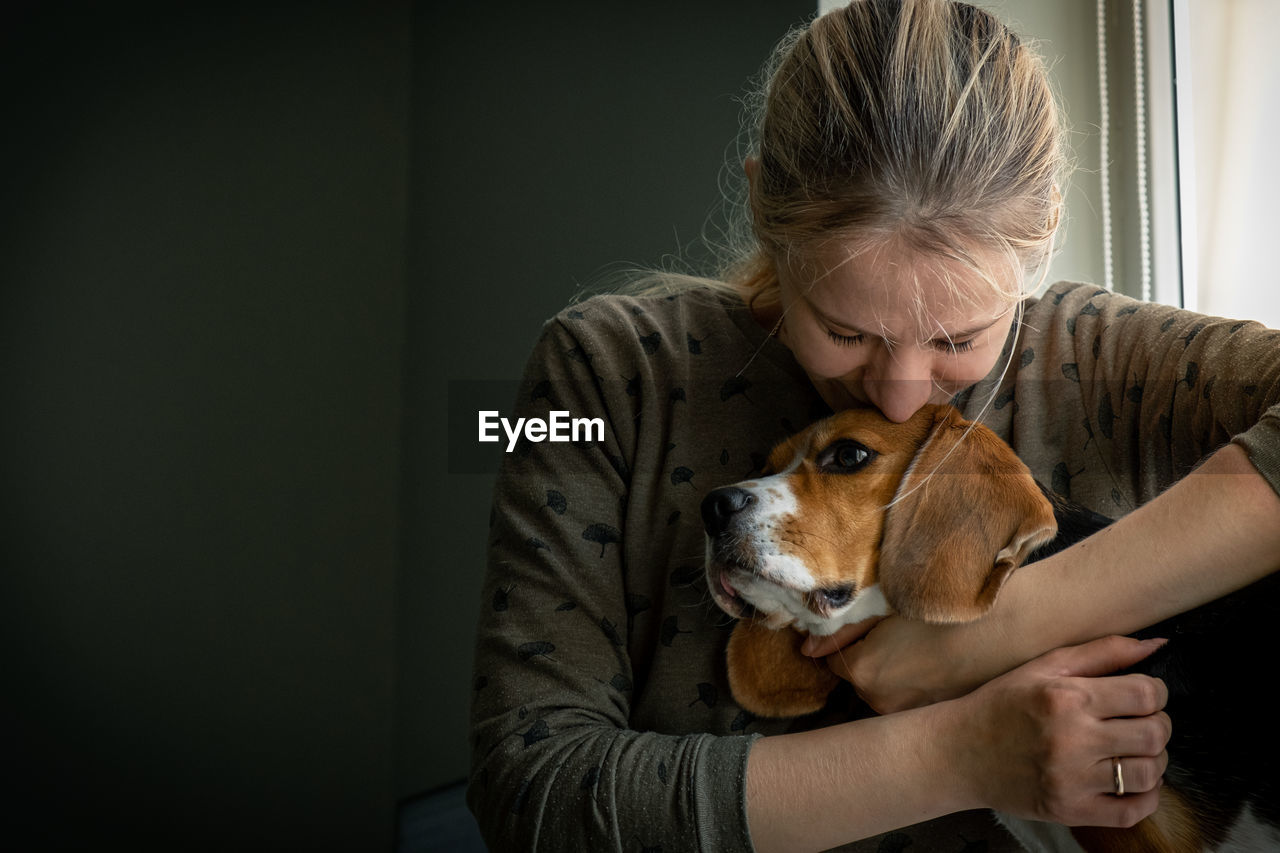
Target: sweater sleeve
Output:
[(1262, 443), (1163, 387), (555, 764)]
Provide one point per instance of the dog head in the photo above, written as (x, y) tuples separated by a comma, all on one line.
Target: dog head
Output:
[(857, 516)]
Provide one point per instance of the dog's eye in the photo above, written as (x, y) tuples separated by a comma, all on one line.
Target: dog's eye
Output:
[(837, 596), (845, 457)]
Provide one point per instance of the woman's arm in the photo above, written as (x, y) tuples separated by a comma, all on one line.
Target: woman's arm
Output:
[(1127, 404), (1035, 743), (556, 762), (1213, 532)]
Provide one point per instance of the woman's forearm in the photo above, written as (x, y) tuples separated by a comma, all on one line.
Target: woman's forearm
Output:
[(1213, 532), (818, 789), (1034, 743)]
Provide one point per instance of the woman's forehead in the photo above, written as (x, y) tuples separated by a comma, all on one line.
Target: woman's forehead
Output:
[(896, 293)]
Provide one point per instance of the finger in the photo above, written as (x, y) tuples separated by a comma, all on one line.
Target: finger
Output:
[(1138, 736), (902, 697), (817, 647), (1110, 810), (1100, 657), (1140, 773), (1132, 695), (841, 663)]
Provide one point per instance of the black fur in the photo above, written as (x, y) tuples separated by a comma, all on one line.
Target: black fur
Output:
[(1225, 750)]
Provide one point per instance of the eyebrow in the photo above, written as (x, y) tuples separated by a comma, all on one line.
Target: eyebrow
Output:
[(971, 332)]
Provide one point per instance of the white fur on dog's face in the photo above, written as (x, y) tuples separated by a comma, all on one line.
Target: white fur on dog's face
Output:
[(762, 562), (803, 547)]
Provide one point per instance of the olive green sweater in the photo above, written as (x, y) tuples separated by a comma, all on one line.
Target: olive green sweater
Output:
[(601, 716)]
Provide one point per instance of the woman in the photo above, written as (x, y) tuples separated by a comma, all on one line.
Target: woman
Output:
[(904, 195)]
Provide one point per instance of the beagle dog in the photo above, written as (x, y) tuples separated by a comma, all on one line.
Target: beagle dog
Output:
[(857, 516)]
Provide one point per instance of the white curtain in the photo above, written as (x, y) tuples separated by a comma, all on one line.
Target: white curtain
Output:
[(1236, 105)]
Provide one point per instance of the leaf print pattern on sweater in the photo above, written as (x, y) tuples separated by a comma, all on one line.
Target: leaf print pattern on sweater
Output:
[(599, 685)]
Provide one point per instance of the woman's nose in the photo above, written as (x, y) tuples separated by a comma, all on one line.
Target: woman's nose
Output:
[(899, 382)]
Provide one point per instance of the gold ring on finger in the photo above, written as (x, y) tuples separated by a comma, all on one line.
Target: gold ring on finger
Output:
[(1117, 777)]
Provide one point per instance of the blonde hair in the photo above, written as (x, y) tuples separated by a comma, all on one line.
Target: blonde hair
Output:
[(923, 122)]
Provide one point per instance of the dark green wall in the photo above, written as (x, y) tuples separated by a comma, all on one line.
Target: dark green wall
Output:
[(202, 328), (547, 149), (244, 249)]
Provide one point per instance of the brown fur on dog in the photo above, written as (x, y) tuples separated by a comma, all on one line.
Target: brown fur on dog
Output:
[(940, 517), (968, 514), (1172, 829), (767, 671)]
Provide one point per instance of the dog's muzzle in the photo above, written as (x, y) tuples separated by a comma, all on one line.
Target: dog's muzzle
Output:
[(721, 505), (722, 510)]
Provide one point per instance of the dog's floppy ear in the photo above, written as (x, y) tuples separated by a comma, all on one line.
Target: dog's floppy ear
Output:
[(967, 513)]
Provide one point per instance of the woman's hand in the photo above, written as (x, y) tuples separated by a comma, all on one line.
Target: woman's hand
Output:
[(905, 664), (1038, 742), (1035, 743)]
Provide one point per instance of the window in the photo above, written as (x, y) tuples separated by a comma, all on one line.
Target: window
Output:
[(1175, 112), (1227, 128)]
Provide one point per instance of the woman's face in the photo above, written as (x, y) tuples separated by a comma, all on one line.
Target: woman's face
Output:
[(884, 327)]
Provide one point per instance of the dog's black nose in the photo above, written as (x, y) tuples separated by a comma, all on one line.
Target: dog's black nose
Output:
[(721, 505)]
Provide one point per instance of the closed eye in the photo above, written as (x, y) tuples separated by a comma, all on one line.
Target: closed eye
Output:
[(943, 344), (949, 346), (846, 340)]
